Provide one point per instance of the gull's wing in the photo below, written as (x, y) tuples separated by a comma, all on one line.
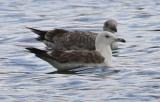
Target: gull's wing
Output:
[(77, 56), (70, 56), (70, 40), (66, 60), (60, 39)]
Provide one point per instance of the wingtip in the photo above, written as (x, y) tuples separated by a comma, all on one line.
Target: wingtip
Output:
[(41, 33), (32, 49), (28, 27)]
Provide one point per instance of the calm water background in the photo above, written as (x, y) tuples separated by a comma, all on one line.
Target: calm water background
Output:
[(135, 76)]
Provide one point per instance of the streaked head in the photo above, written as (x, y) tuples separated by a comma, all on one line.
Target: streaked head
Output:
[(110, 25)]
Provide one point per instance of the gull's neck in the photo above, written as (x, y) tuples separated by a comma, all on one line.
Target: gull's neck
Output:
[(104, 49), (114, 45)]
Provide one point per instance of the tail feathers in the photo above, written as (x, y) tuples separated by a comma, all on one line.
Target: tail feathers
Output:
[(42, 54), (41, 33), (39, 53)]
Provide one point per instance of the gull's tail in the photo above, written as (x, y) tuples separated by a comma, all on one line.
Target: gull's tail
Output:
[(41, 33), (39, 53), (42, 54)]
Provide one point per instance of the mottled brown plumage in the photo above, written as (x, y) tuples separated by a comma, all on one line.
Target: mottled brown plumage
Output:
[(78, 56), (53, 33), (60, 39), (71, 40)]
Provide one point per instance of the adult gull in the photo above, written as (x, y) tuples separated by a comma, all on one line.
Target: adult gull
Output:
[(70, 59)]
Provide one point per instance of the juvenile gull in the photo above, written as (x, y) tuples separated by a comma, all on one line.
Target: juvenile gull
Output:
[(74, 40), (66, 60)]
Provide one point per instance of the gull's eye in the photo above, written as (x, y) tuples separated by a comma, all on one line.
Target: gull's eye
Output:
[(107, 36)]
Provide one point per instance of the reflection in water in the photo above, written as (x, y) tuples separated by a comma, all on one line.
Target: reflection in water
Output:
[(134, 76)]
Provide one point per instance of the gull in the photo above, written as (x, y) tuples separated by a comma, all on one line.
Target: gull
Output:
[(70, 59), (61, 39)]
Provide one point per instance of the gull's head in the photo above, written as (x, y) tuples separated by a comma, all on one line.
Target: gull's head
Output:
[(110, 25), (108, 38), (103, 43)]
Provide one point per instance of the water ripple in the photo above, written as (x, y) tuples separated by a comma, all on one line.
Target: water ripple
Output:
[(134, 77)]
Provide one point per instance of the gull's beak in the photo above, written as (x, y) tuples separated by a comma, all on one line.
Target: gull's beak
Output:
[(114, 29), (120, 40)]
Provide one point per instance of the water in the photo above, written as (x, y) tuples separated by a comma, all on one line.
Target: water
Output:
[(135, 76)]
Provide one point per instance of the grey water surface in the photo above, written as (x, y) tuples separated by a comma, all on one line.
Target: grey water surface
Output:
[(135, 76)]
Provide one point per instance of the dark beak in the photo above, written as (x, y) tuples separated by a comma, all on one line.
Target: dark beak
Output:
[(120, 40), (114, 29)]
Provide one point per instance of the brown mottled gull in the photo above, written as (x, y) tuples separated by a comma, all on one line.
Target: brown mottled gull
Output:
[(69, 59), (74, 40)]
